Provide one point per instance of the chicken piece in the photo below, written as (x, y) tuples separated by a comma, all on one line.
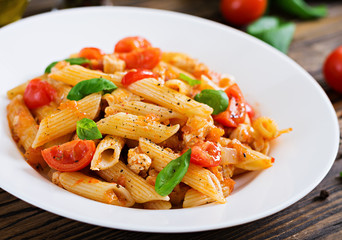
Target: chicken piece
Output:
[(138, 161)]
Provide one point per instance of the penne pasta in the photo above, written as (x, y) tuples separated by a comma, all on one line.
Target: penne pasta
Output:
[(132, 127)]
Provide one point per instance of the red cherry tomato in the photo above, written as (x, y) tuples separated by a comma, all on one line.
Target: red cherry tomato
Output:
[(38, 93), (249, 110), (91, 53), (136, 75), (146, 58), (332, 69), (206, 154), (236, 111), (71, 156), (242, 12), (129, 44)]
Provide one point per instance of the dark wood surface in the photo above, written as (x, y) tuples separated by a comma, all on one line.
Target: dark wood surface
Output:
[(310, 218)]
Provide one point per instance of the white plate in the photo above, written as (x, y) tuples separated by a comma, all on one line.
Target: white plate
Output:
[(282, 89)]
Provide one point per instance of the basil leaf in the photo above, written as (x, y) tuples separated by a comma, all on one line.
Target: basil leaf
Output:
[(72, 61), (216, 99), (51, 65), (87, 129), (273, 31), (77, 61), (191, 81), (172, 174), (300, 9), (87, 87)]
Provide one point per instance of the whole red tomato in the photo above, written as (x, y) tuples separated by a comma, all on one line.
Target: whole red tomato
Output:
[(242, 12), (332, 69)]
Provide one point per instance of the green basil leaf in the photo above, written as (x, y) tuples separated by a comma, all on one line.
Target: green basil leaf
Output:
[(72, 61), (189, 80), (172, 174), (51, 65), (300, 9), (216, 99), (87, 87), (273, 31), (87, 129), (77, 61)]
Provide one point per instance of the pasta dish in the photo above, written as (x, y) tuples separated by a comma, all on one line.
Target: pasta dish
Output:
[(139, 127)]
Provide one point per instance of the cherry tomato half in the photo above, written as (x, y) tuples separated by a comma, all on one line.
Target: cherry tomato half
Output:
[(129, 44), (71, 156), (332, 69), (242, 12), (206, 154), (236, 111), (38, 93), (136, 75), (91, 53), (146, 58)]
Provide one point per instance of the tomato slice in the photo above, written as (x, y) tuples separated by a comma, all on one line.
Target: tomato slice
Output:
[(236, 111), (71, 156), (136, 75), (38, 93), (249, 110), (146, 58), (129, 44), (206, 154), (91, 53)]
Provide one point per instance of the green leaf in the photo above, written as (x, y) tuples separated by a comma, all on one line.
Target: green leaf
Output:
[(300, 9), (87, 129), (172, 174), (216, 99), (87, 87), (273, 31), (51, 65), (77, 61), (189, 80), (72, 61), (341, 174)]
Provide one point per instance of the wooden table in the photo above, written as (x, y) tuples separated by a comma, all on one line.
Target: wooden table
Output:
[(309, 218)]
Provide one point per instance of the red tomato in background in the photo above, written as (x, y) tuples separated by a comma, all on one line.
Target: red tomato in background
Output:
[(332, 69), (71, 156), (91, 53), (242, 12), (206, 154), (38, 93), (236, 111), (136, 75), (146, 58), (129, 44)]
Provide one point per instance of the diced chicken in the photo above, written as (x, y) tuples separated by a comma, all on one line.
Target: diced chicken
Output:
[(138, 161)]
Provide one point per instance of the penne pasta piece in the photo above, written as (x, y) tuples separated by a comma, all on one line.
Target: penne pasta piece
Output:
[(152, 90), (107, 153), (249, 159), (20, 89), (59, 141), (194, 198), (143, 109), (157, 205), (93, 188), (23, 126), (140, 190), (64, 121), (132, 127), (74, 74), (196, 177), (179, 86)]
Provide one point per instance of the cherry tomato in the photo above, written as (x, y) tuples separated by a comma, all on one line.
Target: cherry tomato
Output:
[(71, 156), (38, 93), (146, 58), (136, 75), (332, 69), (129, 44), (236, 111), (91, 53), (206, 154), (242, 12), (249, 110)]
